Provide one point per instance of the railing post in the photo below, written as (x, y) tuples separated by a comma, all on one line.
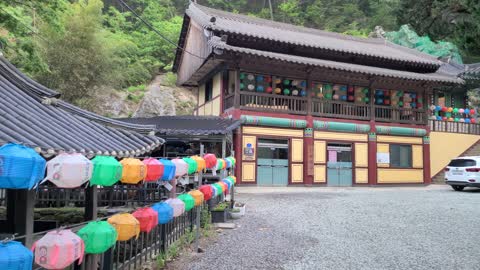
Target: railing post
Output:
[(107, 260), (236, 97)]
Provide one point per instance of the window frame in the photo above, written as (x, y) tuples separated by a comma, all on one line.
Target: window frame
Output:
[(410, 165), (209, 90)]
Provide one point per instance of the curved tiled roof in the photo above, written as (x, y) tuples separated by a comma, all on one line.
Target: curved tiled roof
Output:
[(189, 125), (220, 46), (296, 35), (31, 114)]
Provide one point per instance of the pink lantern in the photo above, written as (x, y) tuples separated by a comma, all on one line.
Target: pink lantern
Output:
[(154, 169), (181, 167), (58, 249), (69, 170), (461, 110), (177, 205)]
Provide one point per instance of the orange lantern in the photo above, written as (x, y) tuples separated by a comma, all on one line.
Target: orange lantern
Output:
[(154, 169), (201, 163), (197, 196), (147, 217), (134, 171), (127, 226), (224, 187)]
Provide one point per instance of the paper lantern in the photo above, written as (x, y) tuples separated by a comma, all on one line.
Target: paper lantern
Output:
[(467, 120), (58, 249), (242, 86), (286, 91), (20, 167), (219, 189), (250, 77), (277, 81), (169, 169), (320, 95), (278, 90), (366, 99), (351, 98), (192, 165), (233, 178), (450, 119), (177, 205), (242, 76), (450, 109), (432, 108), (197, 196), (295, 92), (211, 160), (268, 79), (126, 224), (228, 162), (98, 236), (228, 183), (269, 90), (467, 111), (461, 120), (207, 192), (224, 186), (259, 78), (456, 119), (201, 164), (251, 87), (286, 82), (214, 191), (455, 110), (165, 212), (294, 82), (461, 110), (134, 171), (188, 200), (472, 112), (69, 170), (181, 167), (15, 256), (221, 164), (473, 121), (260, 88), (439, 118), (106, 171), (154, 169), (303, 93), (147, 217)]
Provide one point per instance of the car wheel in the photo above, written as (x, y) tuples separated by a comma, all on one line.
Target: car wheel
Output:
[(458, 188)]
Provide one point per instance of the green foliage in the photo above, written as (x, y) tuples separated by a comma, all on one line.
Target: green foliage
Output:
[(170, 79)]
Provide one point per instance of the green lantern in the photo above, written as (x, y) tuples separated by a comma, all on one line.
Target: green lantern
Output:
[(455, 110), (192, 165), (242, 86), (188, 200), (400, 103), (286, 91), (106, 171), (366, 99), (220, 164), (242, 76), (286, 82), (448, 114), (218, 188), (328, 96), (98, 236), (400, 93), (365, 90), (328, 87)]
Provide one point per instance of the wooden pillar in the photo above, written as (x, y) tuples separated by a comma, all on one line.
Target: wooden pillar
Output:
[(427, 178), (308, 166), (372, 100), (236, 97), (20, 214), (237, 140), (91, 203), (372, 155)]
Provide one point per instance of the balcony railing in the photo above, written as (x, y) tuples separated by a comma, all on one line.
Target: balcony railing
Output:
[(268, 102), (327, 108), (454, 127)]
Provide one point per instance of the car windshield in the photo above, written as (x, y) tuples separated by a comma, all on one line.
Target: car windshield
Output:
[(462, 163)]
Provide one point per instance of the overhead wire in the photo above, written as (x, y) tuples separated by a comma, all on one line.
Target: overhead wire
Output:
[(24, 25), (149, 25)]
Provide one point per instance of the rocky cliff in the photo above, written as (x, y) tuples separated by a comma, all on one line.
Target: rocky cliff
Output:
[(160, 97)]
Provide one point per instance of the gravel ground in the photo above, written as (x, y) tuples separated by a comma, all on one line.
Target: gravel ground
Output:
[(350, 228)]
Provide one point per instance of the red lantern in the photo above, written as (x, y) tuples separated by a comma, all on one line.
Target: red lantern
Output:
[(472, 111), (268, 79), (210, 160), (207, 192), (472, 121), (386, 101), (350, 89), (154, 169), (350, 98), (444, 109), (147, 217), (269, 90), (444, 118)]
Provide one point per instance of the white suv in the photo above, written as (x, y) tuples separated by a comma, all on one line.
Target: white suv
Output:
[(463, 172)]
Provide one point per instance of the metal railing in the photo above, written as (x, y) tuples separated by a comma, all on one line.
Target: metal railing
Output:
[(454, 127), (400, 115)]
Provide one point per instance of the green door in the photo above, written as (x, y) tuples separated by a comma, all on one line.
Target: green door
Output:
[(339, 165), (272, 162)]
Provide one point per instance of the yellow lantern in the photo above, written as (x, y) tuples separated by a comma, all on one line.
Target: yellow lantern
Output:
[(197, 196), (134, 171), (201, 164), (127, 226)]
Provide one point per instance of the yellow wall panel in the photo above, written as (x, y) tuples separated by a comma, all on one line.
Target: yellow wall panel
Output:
[(297, 150), (248, 172), (383, 148), (273, 131), (340, 136), (208, 108), (361, 154), (417, 156), (216, 107), (361, 176), (297, 173), (201, 94), (446, 146), (398, 139), (217, 85), (386, 176), (320, 151), (201, 111), (249, 140), (319, 175)]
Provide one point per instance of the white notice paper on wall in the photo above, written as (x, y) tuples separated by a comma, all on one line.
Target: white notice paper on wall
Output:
[(383, 158)]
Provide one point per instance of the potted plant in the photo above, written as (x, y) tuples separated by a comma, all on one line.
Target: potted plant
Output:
[(219, 213), (241, 208), (235, 213)]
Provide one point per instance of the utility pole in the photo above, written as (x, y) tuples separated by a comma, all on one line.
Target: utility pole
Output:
[(271, 9)]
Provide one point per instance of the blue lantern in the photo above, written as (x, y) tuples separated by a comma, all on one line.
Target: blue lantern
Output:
[(259, 78), (438, 108), (165, 212), (20, 167), (14, 256), (413, 104), (169, 169), (467, 120), (303, 93), (344, 97), (467, 111), (260, 88), (303, 84), (439, 118)]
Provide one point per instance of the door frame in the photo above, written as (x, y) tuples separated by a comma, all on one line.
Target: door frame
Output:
[(352, 145), (289, 143)]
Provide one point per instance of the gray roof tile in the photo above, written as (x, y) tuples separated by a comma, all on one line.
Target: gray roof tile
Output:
[(30, 114)]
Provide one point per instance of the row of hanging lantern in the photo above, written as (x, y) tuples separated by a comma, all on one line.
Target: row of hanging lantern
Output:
[(61, 248), (23, 168)]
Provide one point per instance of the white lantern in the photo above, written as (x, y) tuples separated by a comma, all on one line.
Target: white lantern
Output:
[(181, 167), (177, 205), (58, 249), (69, 170)]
